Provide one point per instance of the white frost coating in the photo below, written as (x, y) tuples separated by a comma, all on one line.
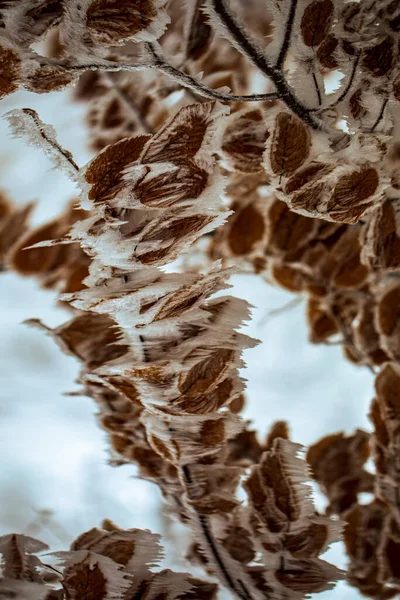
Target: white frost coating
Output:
[(25, 123)]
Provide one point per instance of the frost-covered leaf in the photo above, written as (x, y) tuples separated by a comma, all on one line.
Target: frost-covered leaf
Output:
[(289, 145), (315, 22)]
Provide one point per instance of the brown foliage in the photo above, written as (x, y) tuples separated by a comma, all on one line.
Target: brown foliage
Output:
[(313, 183)]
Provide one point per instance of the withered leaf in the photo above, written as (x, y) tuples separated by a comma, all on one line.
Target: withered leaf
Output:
[(326, 52), (288, 231), (92, 338), (290, 144), (111, 22), (199, 34), (380, 58), (279, 429), (18, 558), (315, 22), (213, 432), (306, 175), (208, 402), (204, 374), (358, 111), (388, 389), (388, 312), (396, 88), (244, 141), (381, 249), (239, 544), (104, 172), (355, 188), (176, 186), (307, 576), (41, 16), (274, 488), (246, 229), (309, 542), (35, 260), (288, 277), (13, 225), (82, 581), (168, 235), (182, 136), (10, 71)]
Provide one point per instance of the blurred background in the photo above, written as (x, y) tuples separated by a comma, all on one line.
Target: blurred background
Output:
[(55, 480)]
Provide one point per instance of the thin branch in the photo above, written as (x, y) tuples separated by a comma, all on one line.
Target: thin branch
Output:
[(380, 116), (288, 34), (52, 142), (242, 40), (182, 78), (242, 593), (318, 91), (203, 90), (345, 91)]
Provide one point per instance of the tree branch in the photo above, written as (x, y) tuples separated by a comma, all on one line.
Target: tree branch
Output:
[(288, 34), (318, 91), (230, 582), (380, 116), (175, 74), (241, 40), (345, 91)]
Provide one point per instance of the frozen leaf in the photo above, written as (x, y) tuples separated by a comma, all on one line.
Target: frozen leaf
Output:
[(198, 31), (105, 171), (246, 229), (244, 141), (112, 22), (185, 136), (316, 21), (10, 70), (326, 52), (380, 58), (290, 145)]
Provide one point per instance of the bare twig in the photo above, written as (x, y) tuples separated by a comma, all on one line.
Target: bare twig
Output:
[(380, 116), (288, 34), (51, 142), (230, 581), (344, 92), (242, 40), (175, 74), (317, 89)]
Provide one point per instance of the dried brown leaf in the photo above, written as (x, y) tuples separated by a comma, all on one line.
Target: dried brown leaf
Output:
[(290, 145), (316, 21)]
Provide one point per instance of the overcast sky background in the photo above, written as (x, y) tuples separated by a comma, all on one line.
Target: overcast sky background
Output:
[(52, 453)]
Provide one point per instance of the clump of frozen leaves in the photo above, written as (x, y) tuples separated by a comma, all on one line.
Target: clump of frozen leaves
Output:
[(161, 358), (103, 563), (371, 534), (313, 181)]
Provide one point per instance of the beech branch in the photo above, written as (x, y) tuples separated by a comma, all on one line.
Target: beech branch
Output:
[(288, 34), (179, 76), (346, 90), (380, 116), (212, 544), (241, 39)]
